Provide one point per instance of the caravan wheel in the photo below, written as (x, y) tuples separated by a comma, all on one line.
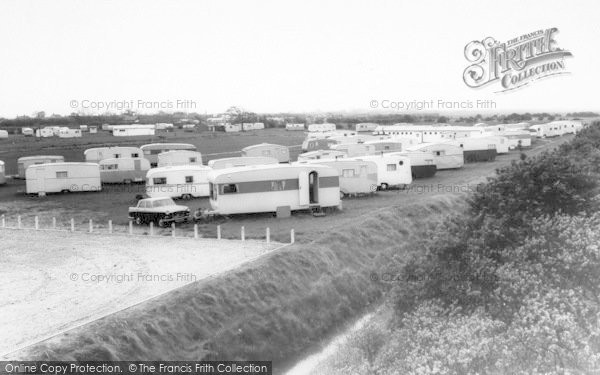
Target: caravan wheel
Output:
[(186, 196), (384, 186), (138, 220), (342, 195)]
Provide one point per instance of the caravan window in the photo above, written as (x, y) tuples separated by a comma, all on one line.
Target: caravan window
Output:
[(192, 160), (117, 156), (159, 180), (189, 179), (229, 189), (348, 173), (391, 167), (135, 155), (277, 185), (61, 174)]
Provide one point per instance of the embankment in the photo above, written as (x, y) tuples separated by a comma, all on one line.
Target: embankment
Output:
[(273, 309)]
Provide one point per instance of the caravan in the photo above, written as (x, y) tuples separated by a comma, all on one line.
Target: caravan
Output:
[(62, 177), (392, 170), (123, 170), (322, 154), (476, 149), (3, 134), (133, 130), (321, 127), (356, 176), (179, 157), (445, 155), (366, 127), (152, 150), (178, 181), (44, 132), (69, 133), (422, 164), (28, 132), (94, 155), (24, 162), (517, 138), (298, 127), (546, 130), (242, 161), (267, 188), (281, 153)]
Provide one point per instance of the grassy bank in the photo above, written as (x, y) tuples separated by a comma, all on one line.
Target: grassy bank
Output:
[(273, 309)]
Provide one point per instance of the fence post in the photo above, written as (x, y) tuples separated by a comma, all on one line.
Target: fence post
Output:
[(130, 227), (37, 223), (268, 235), (243, 233), (91, 226), (152, 228), (196, 231), (173, 229), (218, 232), (292, 239), (19, 221), (53, 223), (3, 221), (110, 229), (72, 225)]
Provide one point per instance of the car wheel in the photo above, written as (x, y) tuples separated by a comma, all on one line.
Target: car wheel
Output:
[(162, 223), (138, 220)]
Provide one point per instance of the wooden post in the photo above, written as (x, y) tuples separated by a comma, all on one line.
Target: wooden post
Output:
[(37, 223), (218, 232), (91, 226), (53, 223), (268, 235), (72, 225), (152, 228), (196, 231), (110, 228), (130, 227), (292, 239), (19, 221), (243, 233), (173, 229)]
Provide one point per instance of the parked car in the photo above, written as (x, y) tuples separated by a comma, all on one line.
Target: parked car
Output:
[(161, 211)]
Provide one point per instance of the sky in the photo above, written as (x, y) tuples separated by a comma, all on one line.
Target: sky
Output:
[(279, 56)]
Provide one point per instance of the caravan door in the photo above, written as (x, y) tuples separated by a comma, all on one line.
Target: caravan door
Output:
[(303, 189)]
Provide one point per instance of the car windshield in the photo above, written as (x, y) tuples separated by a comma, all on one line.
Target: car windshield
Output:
[(164, 202)]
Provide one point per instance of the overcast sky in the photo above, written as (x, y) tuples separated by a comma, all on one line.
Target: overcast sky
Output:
[(271, 56)]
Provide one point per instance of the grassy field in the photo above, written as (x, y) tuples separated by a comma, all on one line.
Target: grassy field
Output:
[(113, 201)]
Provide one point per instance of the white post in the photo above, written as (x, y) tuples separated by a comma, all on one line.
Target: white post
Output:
[(152, 228), (91, 226), (173, 230), (268, 235), (37, 223), (130, 227), (19, 221), (292, 239), (53, 223), (72, 225), (3, 222), (243, 233), (196, 231), (218, 232), (110, 228)]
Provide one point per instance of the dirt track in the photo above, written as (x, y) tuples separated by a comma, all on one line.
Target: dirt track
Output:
[(54, 281)]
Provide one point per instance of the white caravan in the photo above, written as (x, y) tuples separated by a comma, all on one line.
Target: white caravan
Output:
[(178, 181), (392, 170), (281, 153), (357, 177), (133, 130), (24, 162), (3, 134), (476, 149), (445, 155), (69, 133), (28, 132), (62, 177), (366, 127), (94, 155), (152, 150), (517, 138), (44, 133), (297, 127), (123, 170), (322, 154), (321, 127), (242, 161), (179, 157), (422, 164), (266, 188)]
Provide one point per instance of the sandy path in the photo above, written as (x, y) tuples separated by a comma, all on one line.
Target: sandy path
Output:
[(53, 281)]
